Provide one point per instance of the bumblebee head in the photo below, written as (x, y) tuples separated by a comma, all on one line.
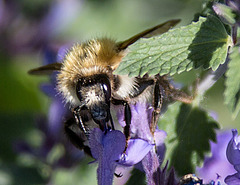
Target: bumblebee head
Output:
[(95, 93)]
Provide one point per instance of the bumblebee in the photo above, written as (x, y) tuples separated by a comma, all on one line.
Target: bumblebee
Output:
[(191, 179), (87, 82)]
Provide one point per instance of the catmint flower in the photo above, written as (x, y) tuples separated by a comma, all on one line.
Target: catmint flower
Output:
[(233, 150), (140, 129), (233, 156), (136, 151), (52, 126), (140, 126), (52, 135), (216, 166), (233, 179), (57, 109), (108, 150), (167, 178)]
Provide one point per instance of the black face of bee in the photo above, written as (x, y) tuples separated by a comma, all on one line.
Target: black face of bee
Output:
[(95, 93)]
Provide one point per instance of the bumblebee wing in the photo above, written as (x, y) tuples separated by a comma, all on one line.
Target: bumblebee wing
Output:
[(46, 70), (157, 30)]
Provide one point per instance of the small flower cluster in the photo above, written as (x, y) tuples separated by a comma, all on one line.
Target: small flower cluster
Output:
[(222, 152), (109, 149), (233, 156), (53, 134)]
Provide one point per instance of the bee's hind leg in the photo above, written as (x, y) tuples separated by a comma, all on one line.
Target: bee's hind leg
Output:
[(157, 104), (127, 118), (164, 89)]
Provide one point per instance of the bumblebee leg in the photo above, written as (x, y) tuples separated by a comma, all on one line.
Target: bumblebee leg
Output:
[(181, 96), (162, 88), (172, 93), (76, 135), (111, 121), (127, 117), (157, 104), (76, 114)]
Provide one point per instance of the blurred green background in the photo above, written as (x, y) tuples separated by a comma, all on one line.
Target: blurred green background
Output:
[(27, 27)]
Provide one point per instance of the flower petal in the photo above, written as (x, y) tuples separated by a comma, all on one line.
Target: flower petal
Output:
[(114, 143), (217, 163), (232, 179), (160, 136), (136, 151), (95, 142), (106, 149), (233, 152)]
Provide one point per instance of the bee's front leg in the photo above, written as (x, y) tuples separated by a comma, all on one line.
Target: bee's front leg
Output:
[(78, 119), (127, 117), (111, 120)]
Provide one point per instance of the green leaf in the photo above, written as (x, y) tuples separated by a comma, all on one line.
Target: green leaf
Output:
[(232, 91), (203, 43), (190, 130)]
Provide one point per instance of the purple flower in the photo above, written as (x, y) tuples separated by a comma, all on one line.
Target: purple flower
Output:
[(57, 109), (217, 163), (136, 151), (140, 129), (233, 179), (168, 178), (140, 126), (52, 126), (233, 156), (108, 150), (233, 150)]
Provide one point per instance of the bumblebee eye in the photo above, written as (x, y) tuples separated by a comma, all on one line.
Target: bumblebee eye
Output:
[(107, 90)]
